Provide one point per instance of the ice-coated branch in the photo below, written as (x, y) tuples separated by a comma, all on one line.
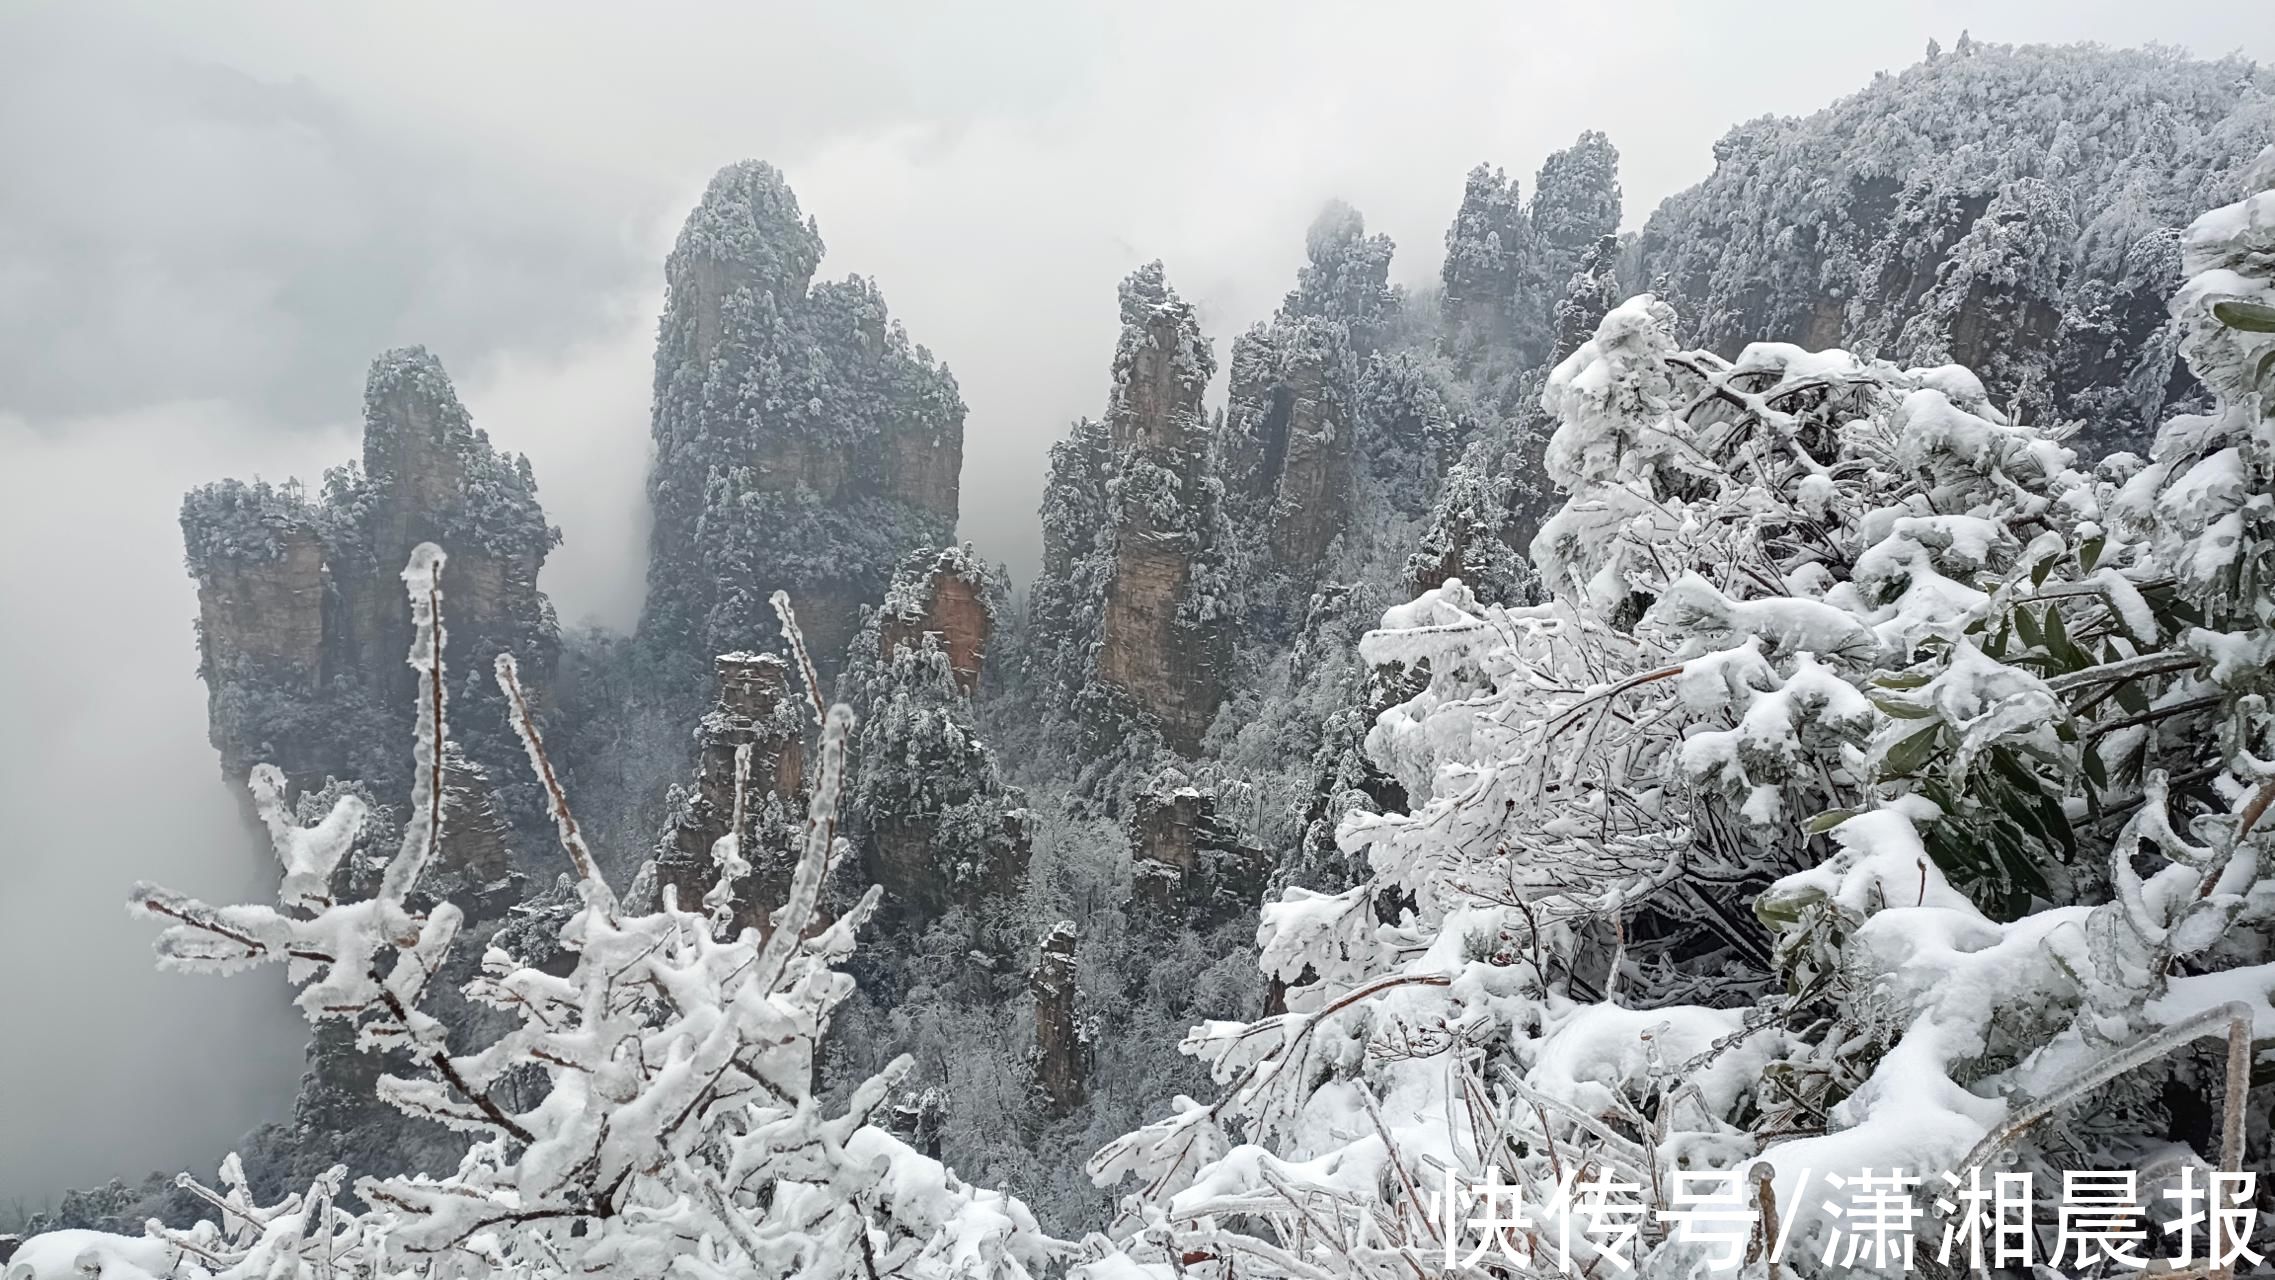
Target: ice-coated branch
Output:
[(556, 800), (2231, 1021), (797, 639), (422, 837)]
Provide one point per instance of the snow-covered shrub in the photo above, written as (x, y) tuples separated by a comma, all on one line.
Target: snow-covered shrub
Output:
[(649, 1111), (1983, 737)]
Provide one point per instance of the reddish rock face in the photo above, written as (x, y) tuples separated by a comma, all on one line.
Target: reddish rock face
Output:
[(1150, 648), (956, 610), (1161, 665)]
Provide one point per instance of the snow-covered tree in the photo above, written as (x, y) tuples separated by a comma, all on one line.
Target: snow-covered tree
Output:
[(1983, 737), (647, 1113)]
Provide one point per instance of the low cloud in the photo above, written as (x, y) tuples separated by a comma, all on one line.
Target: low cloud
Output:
[(112, 1068), (175, 229)]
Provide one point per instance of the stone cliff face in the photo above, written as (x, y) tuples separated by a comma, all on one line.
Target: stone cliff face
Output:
[(1132, 615), (802, 442), (1940, 213), (302, 621), (947, 595)]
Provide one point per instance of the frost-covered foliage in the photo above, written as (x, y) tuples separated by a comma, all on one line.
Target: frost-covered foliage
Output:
[(424, 462), (232, 521), (1064, 600), (1983, 736), (802, 441), (1468, 536), (2012, 208), (419, 443), (647, 1113)]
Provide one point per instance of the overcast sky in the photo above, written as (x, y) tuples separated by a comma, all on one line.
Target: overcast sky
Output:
[(213, 215)]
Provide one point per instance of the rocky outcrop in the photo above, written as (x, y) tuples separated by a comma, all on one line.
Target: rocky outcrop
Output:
[(1185, 863), (753, 715), (936, 823), (1507, 260), (476, 841), (1940, 213), (302, 620), (802, 442), (1062, 1049)]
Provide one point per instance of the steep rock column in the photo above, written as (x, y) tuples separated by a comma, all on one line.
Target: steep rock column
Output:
[(257, 554), (1490, 255), (431, 475), (1286, 451), (802, 441), (1575, 204), (1162, 631), (302, 620), (1062, 1050)]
